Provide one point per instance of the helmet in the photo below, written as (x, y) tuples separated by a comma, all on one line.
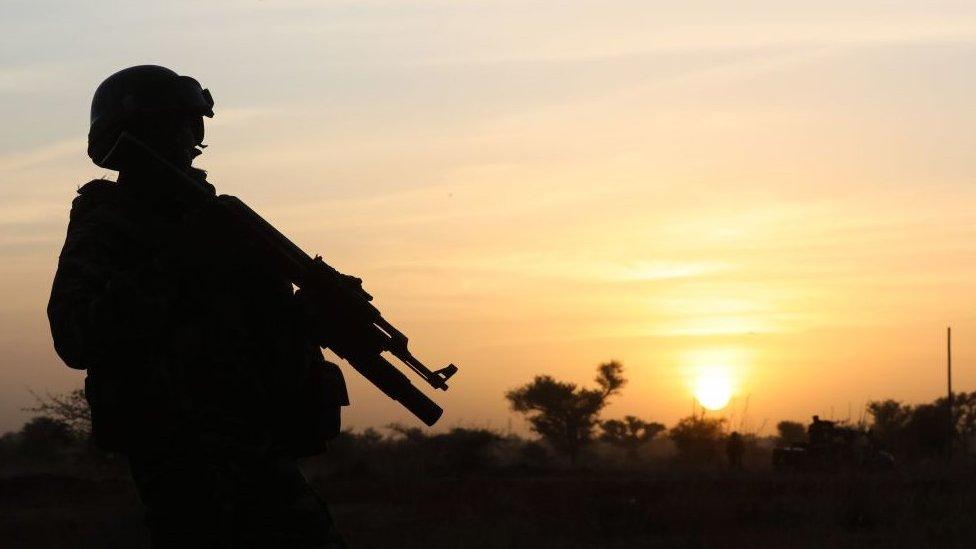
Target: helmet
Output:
[(137, 92)]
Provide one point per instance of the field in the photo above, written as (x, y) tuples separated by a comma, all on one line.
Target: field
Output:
[(672, 510)]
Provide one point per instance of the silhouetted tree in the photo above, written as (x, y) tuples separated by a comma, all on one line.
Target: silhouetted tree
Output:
[(697, 439), (45, 439), (561, 412), (9, 445), (464, 451), (69, 408), (370, 436), (790, 432), (926, 430), (409, 434), (457, 452), (629, 433), (923, 430), (533, 456), (889, 419), (965, 420)]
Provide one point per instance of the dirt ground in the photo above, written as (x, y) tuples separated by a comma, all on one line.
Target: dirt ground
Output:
[(764, 510)]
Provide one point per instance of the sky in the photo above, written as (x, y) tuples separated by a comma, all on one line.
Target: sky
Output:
[(775, 195)]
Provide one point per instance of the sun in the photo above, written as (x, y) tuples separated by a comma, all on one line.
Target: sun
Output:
[(713, 388)]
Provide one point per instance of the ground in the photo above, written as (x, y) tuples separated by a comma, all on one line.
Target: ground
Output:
[(674, 510)]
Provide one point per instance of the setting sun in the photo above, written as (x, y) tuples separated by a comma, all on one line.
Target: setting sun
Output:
[(713, 388)]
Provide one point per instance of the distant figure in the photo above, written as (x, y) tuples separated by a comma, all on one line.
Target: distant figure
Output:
[(734, 448), (199, 367), (814, 430), (820, 432)]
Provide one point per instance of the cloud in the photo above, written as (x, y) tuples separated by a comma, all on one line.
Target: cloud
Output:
[(53, 152)]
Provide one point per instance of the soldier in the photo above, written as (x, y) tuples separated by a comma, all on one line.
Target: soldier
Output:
[(734, 448), (199, 365), (815, 431), (820, 432)]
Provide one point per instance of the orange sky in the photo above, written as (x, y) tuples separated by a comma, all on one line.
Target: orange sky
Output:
[(528, 187)]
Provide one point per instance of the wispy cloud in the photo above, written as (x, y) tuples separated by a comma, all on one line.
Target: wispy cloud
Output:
[(15, 161)]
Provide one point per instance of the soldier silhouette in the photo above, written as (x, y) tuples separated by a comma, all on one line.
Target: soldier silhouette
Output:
[(820, 432), (200, 368), (734, 448)]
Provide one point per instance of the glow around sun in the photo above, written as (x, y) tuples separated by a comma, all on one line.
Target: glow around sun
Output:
[(713, 388)]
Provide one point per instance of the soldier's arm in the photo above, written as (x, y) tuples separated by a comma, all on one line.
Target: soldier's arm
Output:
[(97, 307)]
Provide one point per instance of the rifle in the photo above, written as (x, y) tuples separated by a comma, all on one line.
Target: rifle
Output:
[(360, 337)]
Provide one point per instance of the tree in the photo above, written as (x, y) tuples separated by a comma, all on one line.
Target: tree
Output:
[(926, 430), (889, 419), (923, 430), (413, 435), (9, 444), (463, 451), (562, 413), (964, 405), (370, 436), (629, 433), (791, 432), (46, 439), (698, 439), (68, 408)]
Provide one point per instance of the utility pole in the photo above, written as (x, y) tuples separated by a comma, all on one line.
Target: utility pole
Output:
[(951, 423)]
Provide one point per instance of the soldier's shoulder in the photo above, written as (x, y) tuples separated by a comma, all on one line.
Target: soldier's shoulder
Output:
[(97, 188), (93, 196)]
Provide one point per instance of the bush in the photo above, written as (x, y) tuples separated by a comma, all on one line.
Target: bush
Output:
[(698, 440)]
